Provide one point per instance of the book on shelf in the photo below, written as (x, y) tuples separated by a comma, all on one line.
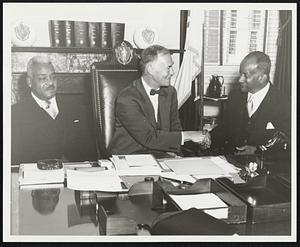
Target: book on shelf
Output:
[(81, 38), (57, 33), (94, 34), (105, 36), (69, 33), (117, 33)]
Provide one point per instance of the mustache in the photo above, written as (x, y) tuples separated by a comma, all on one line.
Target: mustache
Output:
[(51, 87)]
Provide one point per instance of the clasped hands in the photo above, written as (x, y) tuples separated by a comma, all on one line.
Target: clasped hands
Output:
[(201, 137)]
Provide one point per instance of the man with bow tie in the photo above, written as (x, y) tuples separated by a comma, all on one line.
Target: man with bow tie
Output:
[(255, 111), (46, 125), (146, 112)]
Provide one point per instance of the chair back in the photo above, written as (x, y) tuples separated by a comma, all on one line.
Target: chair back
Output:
[(107, 82)]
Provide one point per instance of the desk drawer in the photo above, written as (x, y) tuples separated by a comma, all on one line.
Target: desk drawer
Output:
[(266, 198), (237, 209)]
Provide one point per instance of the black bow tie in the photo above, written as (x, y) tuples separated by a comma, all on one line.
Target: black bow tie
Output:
[(159, 92)]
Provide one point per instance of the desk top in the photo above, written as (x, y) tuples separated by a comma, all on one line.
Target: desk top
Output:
[(54, 211)]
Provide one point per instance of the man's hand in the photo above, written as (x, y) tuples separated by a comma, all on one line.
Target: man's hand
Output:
[(201, 137), (245, 150)]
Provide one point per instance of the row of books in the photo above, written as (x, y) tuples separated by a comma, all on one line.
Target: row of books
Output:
[(105, 35)]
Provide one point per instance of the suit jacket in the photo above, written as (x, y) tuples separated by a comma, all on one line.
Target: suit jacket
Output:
[(136, 129), (238, 129), (35, 135)]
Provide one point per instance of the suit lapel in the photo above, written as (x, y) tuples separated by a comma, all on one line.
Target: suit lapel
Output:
[(146, 104), (163, 109), (39, 113)]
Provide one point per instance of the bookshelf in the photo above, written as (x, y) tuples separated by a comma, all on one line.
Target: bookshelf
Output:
[(85, 50)]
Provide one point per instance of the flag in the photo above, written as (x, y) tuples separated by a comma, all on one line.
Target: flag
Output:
[(191, 63)]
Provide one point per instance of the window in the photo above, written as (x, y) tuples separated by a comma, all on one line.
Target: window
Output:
[(231, 34)]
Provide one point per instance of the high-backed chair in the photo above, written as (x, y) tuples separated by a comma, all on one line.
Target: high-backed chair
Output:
[(107, 81)]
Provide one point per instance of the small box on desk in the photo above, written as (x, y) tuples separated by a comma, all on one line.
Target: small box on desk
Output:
[(237, 209), (266, 198), (115, 225)]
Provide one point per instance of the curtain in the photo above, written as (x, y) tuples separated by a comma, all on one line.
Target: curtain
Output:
[(282, 77)]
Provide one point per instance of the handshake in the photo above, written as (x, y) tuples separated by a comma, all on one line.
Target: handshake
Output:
[(201, 137)]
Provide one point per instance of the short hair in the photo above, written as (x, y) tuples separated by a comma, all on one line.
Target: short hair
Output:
[(150, 54), (261, 59), (37, 60)]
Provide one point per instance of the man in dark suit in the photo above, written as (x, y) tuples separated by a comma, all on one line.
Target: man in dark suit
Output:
[(45, 125), (146, 111), (255, 111)]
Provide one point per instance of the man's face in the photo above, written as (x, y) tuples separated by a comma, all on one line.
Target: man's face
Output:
[(251, 79), (161, 70), (43, 82)]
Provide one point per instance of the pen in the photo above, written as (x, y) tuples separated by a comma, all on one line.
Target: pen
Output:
[(123, 186), (177, 181), (89, 169)]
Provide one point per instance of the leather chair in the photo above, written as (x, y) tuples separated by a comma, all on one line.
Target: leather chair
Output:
[(107, 81)]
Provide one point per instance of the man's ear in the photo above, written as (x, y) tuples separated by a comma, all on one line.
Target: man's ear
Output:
[(28, 80), (263, 78), (149, 68)]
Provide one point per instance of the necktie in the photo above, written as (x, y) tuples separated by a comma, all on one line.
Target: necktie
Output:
[(153, 92), (50, 109), (250, 105)]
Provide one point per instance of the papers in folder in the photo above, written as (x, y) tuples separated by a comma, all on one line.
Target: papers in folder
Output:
[(209, 202), (202, 167), (136, 164), (29, 174), (106, 180)]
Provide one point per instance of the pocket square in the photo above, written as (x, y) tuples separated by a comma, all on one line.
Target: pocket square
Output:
[(270, 126), (76, 121)]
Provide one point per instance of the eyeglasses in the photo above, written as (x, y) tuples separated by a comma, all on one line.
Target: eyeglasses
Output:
[(43, 79)]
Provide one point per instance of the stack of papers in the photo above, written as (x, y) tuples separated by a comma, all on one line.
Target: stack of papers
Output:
[(202, 167), (30, 174), (209, 202), (106, 180), (138, 164)]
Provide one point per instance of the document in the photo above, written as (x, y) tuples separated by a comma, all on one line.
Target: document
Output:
[(30, 174), (139, 164), (208, 202), (106, 180), (204, 167)]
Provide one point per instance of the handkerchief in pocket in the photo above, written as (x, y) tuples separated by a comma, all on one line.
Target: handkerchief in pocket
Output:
[(270, 126)]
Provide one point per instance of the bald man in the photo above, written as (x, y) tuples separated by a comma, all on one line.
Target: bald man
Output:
[(255, 111)]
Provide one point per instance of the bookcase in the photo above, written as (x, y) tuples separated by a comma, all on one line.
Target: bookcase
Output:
[(72, 65)]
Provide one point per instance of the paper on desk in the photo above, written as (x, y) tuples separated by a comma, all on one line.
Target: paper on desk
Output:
[(209, 202), (106, 180), (179, 178), (204, 166), (140, 164)]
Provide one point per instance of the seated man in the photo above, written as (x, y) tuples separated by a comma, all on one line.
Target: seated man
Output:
[(46, 125), (146, 112), (255, 111)]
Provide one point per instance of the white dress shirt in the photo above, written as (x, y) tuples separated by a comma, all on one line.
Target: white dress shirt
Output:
[(258, 97), (52, 110)]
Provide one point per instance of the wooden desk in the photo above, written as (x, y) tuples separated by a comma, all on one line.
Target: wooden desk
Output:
[(65, 218)]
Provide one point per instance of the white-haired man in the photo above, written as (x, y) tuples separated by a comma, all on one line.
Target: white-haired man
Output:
[(46, 125)]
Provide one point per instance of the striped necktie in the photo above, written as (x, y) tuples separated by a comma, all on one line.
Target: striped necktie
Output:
[(250, 105), (50, 109)]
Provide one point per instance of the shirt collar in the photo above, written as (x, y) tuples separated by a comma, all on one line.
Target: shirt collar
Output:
[(42, 103), (261, 93), (147, 87)]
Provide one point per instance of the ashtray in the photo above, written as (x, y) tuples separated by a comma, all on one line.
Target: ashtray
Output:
[(50, 164)]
